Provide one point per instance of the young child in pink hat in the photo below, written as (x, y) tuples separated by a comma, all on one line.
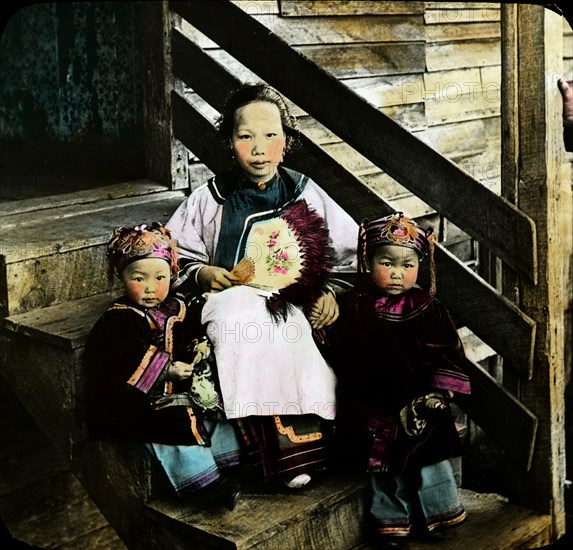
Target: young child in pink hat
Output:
[(398, 358), (150, 372)]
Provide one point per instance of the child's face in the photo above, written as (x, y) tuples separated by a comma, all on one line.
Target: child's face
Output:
[(394, 268), (258, 139), (147, 281)]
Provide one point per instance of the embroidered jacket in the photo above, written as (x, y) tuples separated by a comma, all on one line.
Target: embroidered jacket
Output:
[(388, 351), (211, 225), (127, 355)]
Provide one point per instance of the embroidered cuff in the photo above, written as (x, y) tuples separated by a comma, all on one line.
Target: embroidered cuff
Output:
[(448, 380), (149, 370)]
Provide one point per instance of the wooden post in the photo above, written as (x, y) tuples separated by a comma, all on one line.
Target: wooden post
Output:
[(509, 162), (165, 157), (534, 136)]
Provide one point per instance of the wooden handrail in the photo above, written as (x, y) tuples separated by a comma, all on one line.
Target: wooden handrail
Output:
[(506, 231), (492, 317)]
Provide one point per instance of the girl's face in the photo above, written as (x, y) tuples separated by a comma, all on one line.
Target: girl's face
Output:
[(147, 281), (258, 139), (394, 268)]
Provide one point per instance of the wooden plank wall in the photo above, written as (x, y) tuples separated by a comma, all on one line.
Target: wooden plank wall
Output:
[(567, 50)]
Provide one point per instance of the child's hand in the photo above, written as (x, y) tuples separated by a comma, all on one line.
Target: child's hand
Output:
[(566, 89), (214, 279), (178, 371), (436, 400), (202, 350), (324, 311)]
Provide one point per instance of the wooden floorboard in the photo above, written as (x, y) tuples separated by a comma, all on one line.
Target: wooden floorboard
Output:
[(41, 501)]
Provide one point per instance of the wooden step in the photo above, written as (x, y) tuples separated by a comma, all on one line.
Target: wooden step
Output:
[(11, 209), (329, 514), (492, 524), (41, 502), (47, 344), (332, 515), (56, 254)]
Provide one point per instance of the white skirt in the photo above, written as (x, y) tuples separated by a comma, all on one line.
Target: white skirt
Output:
[(266, 367)]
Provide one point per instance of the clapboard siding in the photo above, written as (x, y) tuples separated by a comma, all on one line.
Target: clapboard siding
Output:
[(258, 8), (462, 79), (461, 32), (464, 94), (348, 30), (388, 91), (323, 8), (459, 107), (444, 138), (356, 60), (412, 117), (457, 55), (338, 30), (351, 61), (460, 12)]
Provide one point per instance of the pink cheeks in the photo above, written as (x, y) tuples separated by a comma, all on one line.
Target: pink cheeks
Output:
[(272, 152), (139, 292), (394, 268), (258, 140), (276, 149), (147, 281), (260, 163)]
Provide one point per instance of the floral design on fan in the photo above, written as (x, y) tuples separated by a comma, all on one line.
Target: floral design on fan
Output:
[(278, 260)]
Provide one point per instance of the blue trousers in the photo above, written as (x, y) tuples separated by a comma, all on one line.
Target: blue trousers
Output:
[(425, 497), (191, 467)]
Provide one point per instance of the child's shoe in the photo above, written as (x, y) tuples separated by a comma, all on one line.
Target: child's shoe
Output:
[(231, 492), (390, 542), (423, 534), (298, 482)]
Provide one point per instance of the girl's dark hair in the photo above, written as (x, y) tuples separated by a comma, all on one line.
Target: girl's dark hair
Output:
[(249, 93)]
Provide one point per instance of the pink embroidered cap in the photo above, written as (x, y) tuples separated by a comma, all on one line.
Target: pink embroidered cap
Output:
[(395, 229), (128, 244)]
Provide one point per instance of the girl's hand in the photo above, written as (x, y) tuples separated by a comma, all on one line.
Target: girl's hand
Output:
[(214, 279), (566, 89), (178, 370), (324, 311)]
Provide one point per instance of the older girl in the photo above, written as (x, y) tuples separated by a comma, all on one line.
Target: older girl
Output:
[(257, 240)]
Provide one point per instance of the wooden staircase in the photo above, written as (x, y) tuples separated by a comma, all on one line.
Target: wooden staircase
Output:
[(54, 277)]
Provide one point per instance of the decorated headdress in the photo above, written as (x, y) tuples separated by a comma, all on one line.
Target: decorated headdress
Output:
[(128, 244), (395, 229)]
